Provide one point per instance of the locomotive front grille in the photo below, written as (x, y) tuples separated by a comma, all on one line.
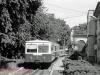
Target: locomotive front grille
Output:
[(32, 58), (38, 58)]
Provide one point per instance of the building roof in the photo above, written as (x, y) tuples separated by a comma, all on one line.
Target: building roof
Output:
[(97, 10), (80, 35)]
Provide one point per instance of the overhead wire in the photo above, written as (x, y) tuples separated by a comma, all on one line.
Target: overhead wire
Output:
[(65, 8), (66, 17), (73, 16)]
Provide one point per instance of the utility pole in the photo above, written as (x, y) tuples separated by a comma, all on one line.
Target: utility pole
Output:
[(0, 59), (64, 44)]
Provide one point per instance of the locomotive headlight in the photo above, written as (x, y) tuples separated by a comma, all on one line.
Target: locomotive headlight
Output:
[(43, 57), (30, 57)]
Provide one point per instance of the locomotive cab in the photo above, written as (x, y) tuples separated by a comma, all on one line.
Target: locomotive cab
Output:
[(38, 51)]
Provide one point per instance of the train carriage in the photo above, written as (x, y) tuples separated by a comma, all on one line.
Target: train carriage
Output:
[(41, 51)]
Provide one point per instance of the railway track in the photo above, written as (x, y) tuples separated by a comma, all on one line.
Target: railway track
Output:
[(35, 72), (41, 72)]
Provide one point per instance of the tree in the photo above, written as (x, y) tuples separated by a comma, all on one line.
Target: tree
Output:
[(47, 27), (81, 29), (15, 22), (22, 19)]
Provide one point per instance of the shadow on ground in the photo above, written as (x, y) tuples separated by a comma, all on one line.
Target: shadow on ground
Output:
[(34, 66), (20, 63)]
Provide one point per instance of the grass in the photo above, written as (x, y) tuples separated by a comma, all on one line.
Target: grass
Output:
[(5, 64)]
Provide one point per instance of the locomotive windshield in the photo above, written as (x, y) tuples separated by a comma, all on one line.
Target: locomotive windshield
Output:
[(43, 48), (32, 48)]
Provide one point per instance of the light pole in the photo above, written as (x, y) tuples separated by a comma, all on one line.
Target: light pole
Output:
[(95, 18)]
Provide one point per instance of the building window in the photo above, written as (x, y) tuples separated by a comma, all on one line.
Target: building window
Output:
[(98, 24), (99, 44), (98, 21)]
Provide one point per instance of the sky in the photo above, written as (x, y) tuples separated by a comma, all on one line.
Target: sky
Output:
[(74, 12)]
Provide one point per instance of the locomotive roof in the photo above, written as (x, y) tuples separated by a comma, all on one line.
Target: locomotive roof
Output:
[(38, 41), (45, 41)]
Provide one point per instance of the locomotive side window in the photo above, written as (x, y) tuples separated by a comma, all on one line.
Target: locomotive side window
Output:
[(52, 47), (32, 48), (43, 48)]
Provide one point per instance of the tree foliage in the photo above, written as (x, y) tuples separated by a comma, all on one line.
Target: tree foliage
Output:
[(15, 24), (47, 27), (81, 29), (21, 20)]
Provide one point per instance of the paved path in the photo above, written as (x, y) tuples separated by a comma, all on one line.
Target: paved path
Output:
[(58, 65), (56, 72)]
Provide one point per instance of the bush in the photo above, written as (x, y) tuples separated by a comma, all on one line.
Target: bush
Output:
[(8, 64), (12, 65)]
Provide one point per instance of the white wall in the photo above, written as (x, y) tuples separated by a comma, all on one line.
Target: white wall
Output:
[(80, 38)]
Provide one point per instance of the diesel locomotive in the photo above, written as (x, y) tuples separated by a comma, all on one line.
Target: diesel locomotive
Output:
[(41, 51)]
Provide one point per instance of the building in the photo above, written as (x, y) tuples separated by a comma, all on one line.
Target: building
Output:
[(97, 25), (93, 28), (91, 36), (78, 37), (80, 40)]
